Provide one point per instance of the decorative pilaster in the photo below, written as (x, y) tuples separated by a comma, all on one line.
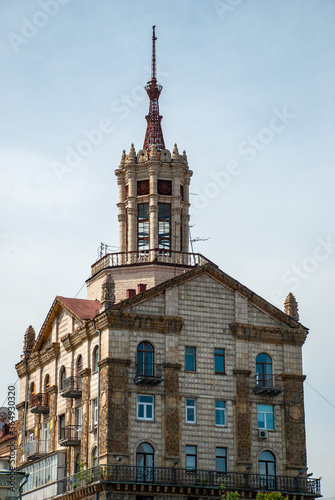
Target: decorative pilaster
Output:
[(85, 414), (243, 417), (171, 415), (20, 438), (113, 409), (52, 392), (295, 437)]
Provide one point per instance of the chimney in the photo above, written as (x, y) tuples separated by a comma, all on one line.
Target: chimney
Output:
[(141, 288), (131, 292)]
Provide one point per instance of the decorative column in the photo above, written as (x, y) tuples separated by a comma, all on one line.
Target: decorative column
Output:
[(20, 438), (171, 414), (131, 207), (113, 409), (52, 392), (295, 437), (242, 418), (85, 413)]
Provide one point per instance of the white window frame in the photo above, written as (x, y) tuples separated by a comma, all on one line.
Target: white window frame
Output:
[(223, 410), (145, 405), (190, 404), (265, 413), (95, 411), (78, 415)]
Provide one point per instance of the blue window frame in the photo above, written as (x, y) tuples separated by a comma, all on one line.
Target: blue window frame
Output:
[(265, 419), (190, 359), (220, 413), (219, 360)]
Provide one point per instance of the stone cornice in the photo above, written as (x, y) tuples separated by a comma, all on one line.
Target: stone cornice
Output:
[(149, 323), (269, 334), (242, 373), (73, 340), (294, 376), (20, 406), (86, 372), (53, 389), (172, 366), (20, 369), (113, 361), (49, 353)]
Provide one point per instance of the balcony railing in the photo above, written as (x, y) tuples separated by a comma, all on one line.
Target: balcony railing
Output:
[(159, 255), (268, 384), (148, 373), (36, 449), (70, 435), (71, 387), (198, 479), (40, 403)]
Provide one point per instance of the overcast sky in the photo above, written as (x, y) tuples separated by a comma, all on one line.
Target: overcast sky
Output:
[(248, 93)]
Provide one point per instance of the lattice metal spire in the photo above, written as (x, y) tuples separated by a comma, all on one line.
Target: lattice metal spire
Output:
[(154, 134)]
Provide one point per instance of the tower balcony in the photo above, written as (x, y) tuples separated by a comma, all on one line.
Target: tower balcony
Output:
[(268, 384), (36, 449), (39, 403), (71, 436), (148, 374), (155, 256), (71, 388)]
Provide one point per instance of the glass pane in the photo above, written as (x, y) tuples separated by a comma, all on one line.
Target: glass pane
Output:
[(190, 358), (219, 364), (143, 211), (164, 211), (269, 421), (140, 411), (149, 411), (220, 464), (261, 421)]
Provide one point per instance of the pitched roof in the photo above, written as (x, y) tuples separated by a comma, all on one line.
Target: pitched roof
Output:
[(84, 309)]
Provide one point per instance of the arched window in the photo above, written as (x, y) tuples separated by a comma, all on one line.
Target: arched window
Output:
[(79, 367), (76, 465), (32, 393), (264, 370), (267, 470), (95, 358), (62, 375), (95, 457), (46, 387), (144, 462), (145, 359)]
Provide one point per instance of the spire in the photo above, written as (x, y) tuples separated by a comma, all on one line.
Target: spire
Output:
[(291, 306), (154, 134)]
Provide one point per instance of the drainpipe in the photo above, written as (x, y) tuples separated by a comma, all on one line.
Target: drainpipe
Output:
[(25, 405), (98, 398), (22, 484)]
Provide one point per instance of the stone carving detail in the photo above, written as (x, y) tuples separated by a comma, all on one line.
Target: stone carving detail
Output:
[(291, 306), (52, 391), (143, 187), (243, 416), (85, 419), (130, 321), (294, 421), (172, 424), (29, 341), (108, 291), (164, 187), (253, 333)]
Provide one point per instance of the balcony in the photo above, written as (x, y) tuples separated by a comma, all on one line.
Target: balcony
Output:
[(71, 387), (268, 384), (70, 436), (148, 374), (187, 482), (39, 403), (36, 449), (157, 255)]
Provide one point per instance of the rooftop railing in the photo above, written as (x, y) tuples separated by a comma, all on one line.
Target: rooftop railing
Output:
[(158, 255)]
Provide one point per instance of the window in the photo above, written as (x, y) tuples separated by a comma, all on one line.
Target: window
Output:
[(31, 436), (32, 393), (265, 418), (264, 370), (191, 457), (221, 459), (219, 361), (79, 367), (145, 359), (143, 226), (61, 426), (164, 217), (190, 359), (78, 422), (144, 463), (95, 460), (46, 437), (267, 470), (95, 411), (95, 358), (62, 378), (220, 413), (145, 407), (76, 465), (46, 387), (191, 411)]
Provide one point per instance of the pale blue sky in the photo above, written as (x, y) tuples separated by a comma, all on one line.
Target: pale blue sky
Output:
[(229, 69)]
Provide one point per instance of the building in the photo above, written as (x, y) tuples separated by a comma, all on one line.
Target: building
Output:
[(171, 378)]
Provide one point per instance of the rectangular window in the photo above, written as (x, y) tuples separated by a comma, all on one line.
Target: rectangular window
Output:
[(95, 410), (78, 422), (221, 459), (61, 426), (191, 416), (219, 365), (143, 226), (145, 407), (265, 418), (191, 457), (220, 413), (190, 359), (164, 217), (46, 436)]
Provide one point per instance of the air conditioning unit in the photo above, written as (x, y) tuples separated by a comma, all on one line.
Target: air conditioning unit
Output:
[(262, 433)]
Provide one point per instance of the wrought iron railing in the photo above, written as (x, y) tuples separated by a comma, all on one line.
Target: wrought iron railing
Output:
[(36, 448), (71, 387), (153, 370), (70, 433), (160, 255), (268, 382), (39, 403), (193, 478)]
